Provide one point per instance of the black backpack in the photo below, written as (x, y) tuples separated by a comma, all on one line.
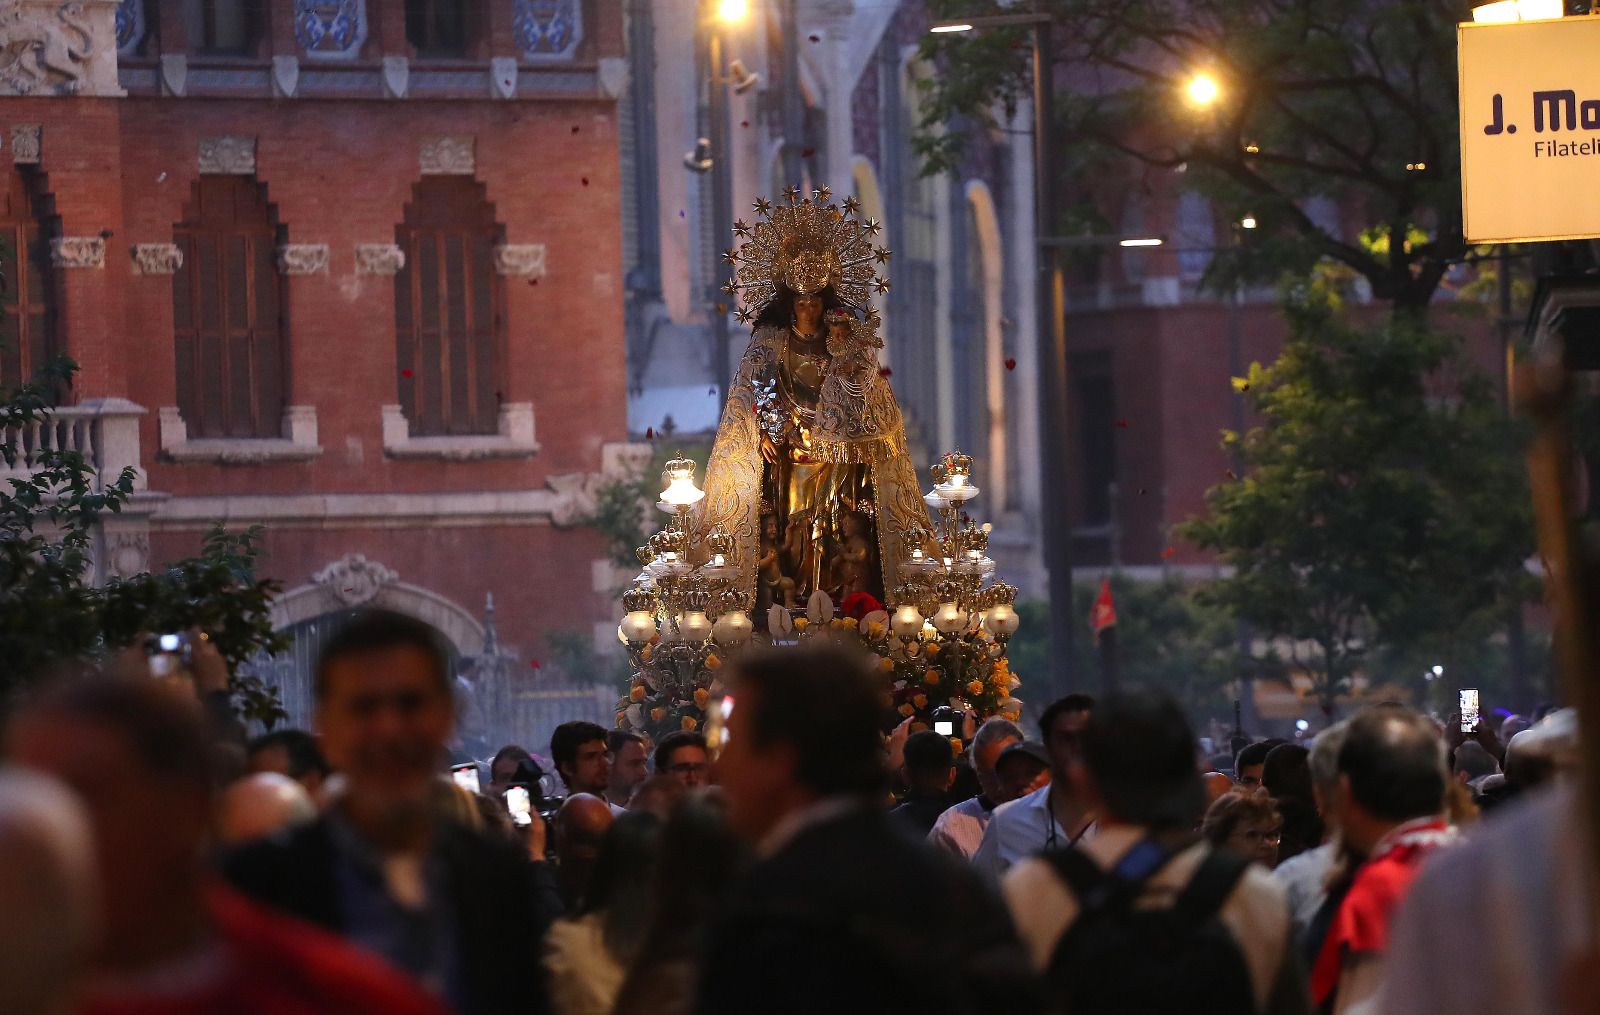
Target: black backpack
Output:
[(1116, 958)]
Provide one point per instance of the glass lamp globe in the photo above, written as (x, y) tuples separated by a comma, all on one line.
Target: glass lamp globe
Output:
[(680, 491), (906, 622), (1002, 620), (695, 626), (949, 618), (732, 628), (638, 626)]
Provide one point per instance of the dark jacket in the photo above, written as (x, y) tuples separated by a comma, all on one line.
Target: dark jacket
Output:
[(854, 915), (497, 897)]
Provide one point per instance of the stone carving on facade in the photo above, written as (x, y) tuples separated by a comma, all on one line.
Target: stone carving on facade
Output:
[(503, 77), (613, 76), (330, 29), (449, 156), (547, 29), (578, 493), (228, 155), (520, 259), (396, 76), (130, 24), (127, 553), (27, 143), (354, 580), (157, 258), (78, 252), (379, 259), (303, 258), (285, 76), (51, 47)]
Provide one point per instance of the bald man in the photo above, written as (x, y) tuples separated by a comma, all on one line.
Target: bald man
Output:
[(258, 805), (580, 827), (47, 891)]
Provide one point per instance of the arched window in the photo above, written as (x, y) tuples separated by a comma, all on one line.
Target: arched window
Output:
[(440, 29), (28, 290), (228, 311), (1195, 235), (449, 309), (914, 299), (223, 27)]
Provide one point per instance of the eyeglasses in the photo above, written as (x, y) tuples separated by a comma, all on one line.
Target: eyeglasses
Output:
[(688, 768), (1256, 836)]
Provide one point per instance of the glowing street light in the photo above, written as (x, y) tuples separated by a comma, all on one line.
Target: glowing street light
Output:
[(1248, 222), (1507, 11), (1203, 90), (1151, 241), (733, 11), (950, 28)]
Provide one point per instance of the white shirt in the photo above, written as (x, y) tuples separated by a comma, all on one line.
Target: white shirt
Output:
[(1304, 880), (1044, 908), (1488, 924), (1018, 830), (959, 829)]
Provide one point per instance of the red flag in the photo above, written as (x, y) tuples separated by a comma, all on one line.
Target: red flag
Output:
[(1104, 612)]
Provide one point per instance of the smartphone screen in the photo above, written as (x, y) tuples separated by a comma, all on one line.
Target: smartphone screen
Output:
[(466, 776), (518, 804), (1469, 709), (945, 728)]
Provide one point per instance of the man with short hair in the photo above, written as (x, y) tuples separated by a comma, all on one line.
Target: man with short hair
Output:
[(512, 764), (928, 769), (383, 867), (629, 767), (1390, 804), (1304, 877), (682, 754), (1021, 768), (1052, 816), (1250, 762), (293, 753), (959, 829), (582, 759), (837, 899), (172, 939), (580, 828), (1472, 763), (1141, 918), (261, 805)]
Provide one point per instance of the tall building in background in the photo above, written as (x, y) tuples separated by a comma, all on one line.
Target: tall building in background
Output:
[(347, 269), (959, 321)]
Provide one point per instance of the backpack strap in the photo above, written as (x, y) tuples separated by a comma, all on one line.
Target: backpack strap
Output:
[(1090, 885), (1210, 887)]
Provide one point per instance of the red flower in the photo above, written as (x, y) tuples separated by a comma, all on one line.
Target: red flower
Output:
[(858, 604)]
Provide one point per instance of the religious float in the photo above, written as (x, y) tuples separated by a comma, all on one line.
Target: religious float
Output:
[(812, 523)]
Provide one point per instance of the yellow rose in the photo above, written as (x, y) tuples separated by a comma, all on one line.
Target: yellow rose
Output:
[(975, 688), (702, 697), (886, 665), (921, 701), (801, 623), (933, 648), (637, 694), (689, 722), (1012, 716), (906, 710), (658, 714), (848, 622), (874, 630), (931, 677), (713, 663), (646, 652), (620, 717), (918, 727), (956, 746)]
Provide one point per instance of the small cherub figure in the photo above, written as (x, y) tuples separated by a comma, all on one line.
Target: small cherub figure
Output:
[(779, 586), (852, 569)]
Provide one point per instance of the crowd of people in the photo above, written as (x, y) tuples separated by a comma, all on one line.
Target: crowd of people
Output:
[(1391, 864)]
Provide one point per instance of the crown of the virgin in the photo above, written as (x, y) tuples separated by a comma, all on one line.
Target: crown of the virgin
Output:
[(806, 246)]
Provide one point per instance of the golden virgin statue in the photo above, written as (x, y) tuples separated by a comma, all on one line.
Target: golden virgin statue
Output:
[(810, 473)]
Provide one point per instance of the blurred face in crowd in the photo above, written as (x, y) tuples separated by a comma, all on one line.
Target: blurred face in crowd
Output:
[(628, 768), (590, 771), (689, 765), (759, 781), (148, 829), (1257, 840), (1018, 777), (983, 762), (1250, 775), (1062, 743), (385, 718), (501, 774)]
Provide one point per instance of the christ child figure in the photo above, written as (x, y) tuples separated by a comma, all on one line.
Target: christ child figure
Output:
[(853, 559), (770, 565)]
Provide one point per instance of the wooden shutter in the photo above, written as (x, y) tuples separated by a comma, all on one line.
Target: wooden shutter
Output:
[(227, 312), (440, 29), (29, 293), (449, 310)]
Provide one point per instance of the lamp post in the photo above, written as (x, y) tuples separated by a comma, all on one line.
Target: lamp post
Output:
[(728, 12), (1054, 390)]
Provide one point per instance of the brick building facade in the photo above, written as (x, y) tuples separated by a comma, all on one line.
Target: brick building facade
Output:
[(350, 270)]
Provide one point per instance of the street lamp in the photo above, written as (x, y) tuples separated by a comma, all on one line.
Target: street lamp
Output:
[(1054, 389), (1203, 90), (1505, 11), (728, 13)]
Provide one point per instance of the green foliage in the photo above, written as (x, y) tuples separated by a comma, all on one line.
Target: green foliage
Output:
[(625, 507), (1384, 502), (51, 615), (1319, 98), (1168, 637)]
